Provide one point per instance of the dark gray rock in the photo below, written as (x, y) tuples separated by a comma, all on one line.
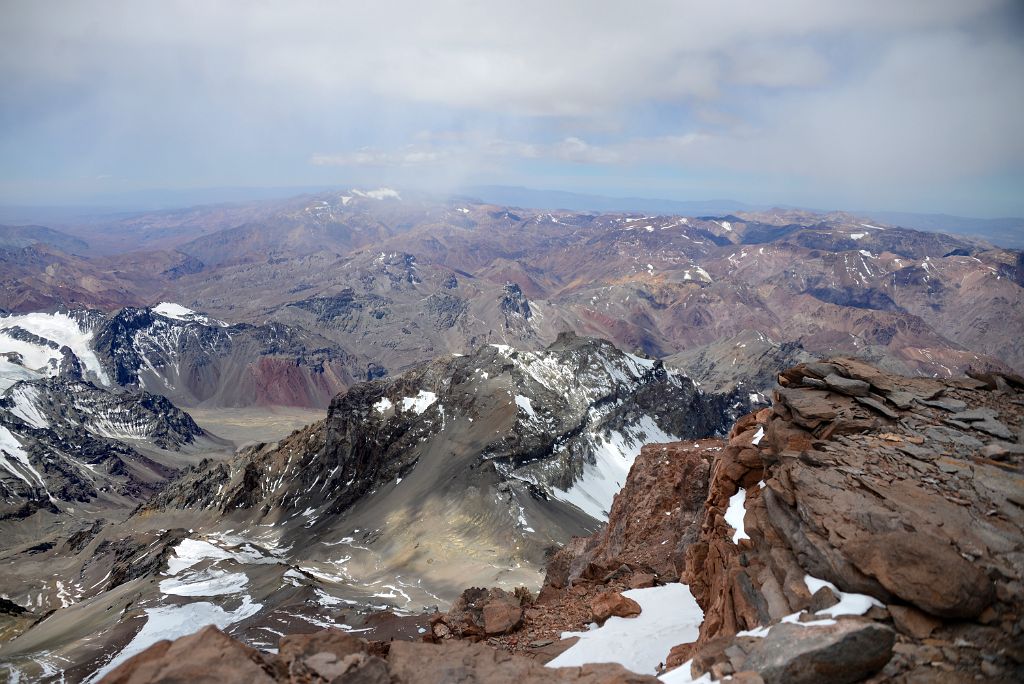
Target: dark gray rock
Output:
[(848, 651), (853, 388)]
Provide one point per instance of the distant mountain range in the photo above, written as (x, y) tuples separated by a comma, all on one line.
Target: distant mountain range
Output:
[(1005, 232)]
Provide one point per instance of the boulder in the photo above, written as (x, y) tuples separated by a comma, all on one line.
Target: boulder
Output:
[(845, 652), (612, 603), (502, 615), (913, 622), (924, 571), (484, 612)]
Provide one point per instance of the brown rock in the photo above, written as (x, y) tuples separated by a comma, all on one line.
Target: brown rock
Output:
[(924, 571), (501, 616), (612, 603), (912, 622), (641, 580), (484, 612), (208, 656), (679, 654)]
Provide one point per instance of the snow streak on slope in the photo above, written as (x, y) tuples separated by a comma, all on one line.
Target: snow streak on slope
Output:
[(14, 460), (614, 454)]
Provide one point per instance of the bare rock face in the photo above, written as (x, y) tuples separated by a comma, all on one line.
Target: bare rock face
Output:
[(872, 482), (611, 603), (652, 520)]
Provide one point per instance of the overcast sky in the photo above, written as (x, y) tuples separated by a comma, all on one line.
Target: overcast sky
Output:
[(909, 105)]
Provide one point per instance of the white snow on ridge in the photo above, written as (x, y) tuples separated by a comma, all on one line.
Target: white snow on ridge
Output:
[(22, 468), (191, 551), (670, 615), (212, 582), (420, 403), (383, 405), (172, 310), (183, 313), (59, 328)]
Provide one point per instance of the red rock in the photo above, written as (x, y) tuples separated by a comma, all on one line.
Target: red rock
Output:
[(612, 603), (501, 616)]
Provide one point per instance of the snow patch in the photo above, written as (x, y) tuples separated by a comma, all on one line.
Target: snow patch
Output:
[(734, 515), (524, 404), (420, 403), (669, 616), (383, 405), (759, 435), (211, 582)]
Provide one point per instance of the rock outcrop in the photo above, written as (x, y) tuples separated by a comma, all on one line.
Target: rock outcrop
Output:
[(883, 486)]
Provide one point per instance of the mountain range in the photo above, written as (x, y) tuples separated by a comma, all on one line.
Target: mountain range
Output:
[(340, 410)]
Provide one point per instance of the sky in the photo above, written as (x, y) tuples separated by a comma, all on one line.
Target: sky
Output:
[(910, 105)]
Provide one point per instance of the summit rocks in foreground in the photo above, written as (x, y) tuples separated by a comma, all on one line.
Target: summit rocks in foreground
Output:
[(334, 656), (905, 491)]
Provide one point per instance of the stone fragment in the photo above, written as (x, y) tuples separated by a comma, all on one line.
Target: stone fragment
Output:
[(913, 622), (612, 603), (993, 427), (902, 400), (976, 414), (502, 615), (642, 580), (877, 406), (999, 451), (853, 388), (951, 405)]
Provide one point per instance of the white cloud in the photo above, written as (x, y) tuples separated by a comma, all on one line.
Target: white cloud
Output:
[(867, 94)]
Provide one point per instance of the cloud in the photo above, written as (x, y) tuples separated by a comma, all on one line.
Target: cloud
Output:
[(852, 97)]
